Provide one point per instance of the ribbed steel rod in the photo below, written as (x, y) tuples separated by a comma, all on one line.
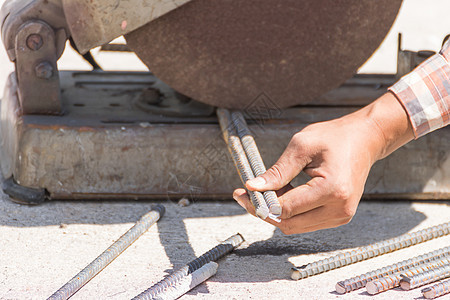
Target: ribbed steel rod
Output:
[(212, 255), (391, 281), (255, 159), (240, 160), (437, 290), (408, 283), (370, 251), (188, 282), (104, 259), (360, 281)]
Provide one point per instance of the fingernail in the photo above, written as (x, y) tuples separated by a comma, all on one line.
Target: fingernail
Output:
[(257, 182), (237, 200)]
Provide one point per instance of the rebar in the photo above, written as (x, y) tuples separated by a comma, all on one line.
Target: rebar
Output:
[(389, 282), (255, 159), (188, 282), (243, 167), (104, 259), (212, 255), (437, 290), (408, 283), (360, 281), (370, 251)]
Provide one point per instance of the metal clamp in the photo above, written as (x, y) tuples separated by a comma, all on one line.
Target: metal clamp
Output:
[(34, 34), (36, 69)]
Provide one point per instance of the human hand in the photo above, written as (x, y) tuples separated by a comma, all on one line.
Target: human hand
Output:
[(337, 155)]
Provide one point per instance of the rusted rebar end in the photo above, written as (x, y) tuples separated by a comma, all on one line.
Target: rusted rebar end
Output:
[(275, 209), (262, 212), (240, 238), (235, 240), (188, 283), (371, 288), (340, 288), (405, 285), (428, 293), (295, 274)]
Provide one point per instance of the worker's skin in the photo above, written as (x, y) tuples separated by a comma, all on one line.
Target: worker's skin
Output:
[(337, 155)]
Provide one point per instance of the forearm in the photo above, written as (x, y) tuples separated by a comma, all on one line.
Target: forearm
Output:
[(388, 114), (416, 105), (381, 127)]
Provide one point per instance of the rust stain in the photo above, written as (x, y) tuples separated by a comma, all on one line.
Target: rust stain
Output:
[(86, 129), (59, 127)]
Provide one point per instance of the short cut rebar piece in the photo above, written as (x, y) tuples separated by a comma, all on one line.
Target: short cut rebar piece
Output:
[(255, 159), (363, 253), (188, 282), (212, 255), (437, 290), (408, 283), (104, 259), (240, 160), (391, 281), (360, 281)]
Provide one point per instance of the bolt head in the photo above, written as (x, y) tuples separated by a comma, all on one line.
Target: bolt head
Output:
[(44, 70), (34, 42)]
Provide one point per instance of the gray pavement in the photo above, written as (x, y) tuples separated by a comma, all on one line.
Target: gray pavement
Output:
[(43, 246)]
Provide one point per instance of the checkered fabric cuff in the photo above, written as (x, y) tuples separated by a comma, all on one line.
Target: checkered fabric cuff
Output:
[(425, 93)]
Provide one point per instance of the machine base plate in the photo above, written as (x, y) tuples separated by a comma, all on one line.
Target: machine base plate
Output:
[(105, 146)]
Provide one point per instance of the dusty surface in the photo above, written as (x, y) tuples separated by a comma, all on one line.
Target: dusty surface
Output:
[(44, 246)]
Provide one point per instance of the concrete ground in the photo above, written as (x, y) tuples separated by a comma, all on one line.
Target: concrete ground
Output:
[(43, 246)]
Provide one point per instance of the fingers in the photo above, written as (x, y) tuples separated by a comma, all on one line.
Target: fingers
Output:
[(284, 189), (319, 218), (304, 198), (293, 201), (241, 197), (289, 165)]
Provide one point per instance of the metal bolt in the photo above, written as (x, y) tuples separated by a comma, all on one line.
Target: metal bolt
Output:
[(240, 159), (189, 282), (175, 278), (44, 70), (104, 259), (360, 281), (433, 275), (437, 290), (255, 159), (392, 281), (383, 284), (370, 251), (34, 42)]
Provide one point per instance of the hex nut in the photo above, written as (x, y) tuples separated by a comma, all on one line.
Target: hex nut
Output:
[(44, 70), (34, 42)]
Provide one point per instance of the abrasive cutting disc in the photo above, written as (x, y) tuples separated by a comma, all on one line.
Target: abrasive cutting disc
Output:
[(228, 53)]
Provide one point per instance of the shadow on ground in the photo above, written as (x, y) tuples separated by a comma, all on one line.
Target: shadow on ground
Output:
[(368, 226)]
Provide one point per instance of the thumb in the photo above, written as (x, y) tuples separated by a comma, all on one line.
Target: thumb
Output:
[(288, 166)]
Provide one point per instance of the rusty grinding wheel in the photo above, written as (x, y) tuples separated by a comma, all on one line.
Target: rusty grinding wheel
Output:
[(227, 53)]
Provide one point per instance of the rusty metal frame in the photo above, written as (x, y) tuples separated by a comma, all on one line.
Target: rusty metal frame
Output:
[(36, 69)]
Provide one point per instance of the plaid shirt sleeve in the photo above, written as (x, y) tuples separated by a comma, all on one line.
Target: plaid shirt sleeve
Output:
[(425, 93)]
